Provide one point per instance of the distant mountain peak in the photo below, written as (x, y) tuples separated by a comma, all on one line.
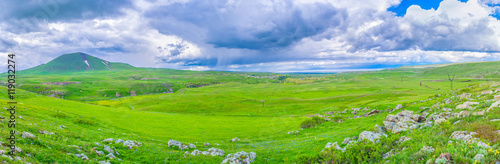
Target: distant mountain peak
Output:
[(76, 62)]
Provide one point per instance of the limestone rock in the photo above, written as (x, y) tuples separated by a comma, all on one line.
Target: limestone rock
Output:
[(240, 157), (28, 135), (369, 135)]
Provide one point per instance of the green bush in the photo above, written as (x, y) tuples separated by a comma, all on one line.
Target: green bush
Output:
[(59, 114), (84, 121), (360, 152), (312, 122)]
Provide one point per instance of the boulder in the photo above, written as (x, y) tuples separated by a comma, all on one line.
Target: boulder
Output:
[(346, 140), (99, 153), (463, 136), (83, 156), (480, 113), (108, 149), (464, 95), (495, 104), (399, 106), (380, 129), (389, 125), (192, 146), (174, 143), (466, 105), (104, 162), (369, 135), (479, 157), (427, 149), (119, 141), (483, 145), (27, 135), (131, 144), (235, 139), (195, 152), (489, 92), (391, 118), (439, 121), (463, 114), (334, 145), (109, 140), (401, 127), (215, 152), (111, 156), (240, 157)]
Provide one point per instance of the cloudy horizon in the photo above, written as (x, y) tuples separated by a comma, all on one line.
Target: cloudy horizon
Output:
[(260, 35)]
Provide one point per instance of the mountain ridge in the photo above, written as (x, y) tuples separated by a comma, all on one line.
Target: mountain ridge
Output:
[(76, 62)]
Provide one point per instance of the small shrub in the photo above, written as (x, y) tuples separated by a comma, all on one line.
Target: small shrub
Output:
[(84, 121), (59, 114), (312, 122)]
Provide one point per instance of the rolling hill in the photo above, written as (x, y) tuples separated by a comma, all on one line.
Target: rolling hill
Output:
[(76, 62)]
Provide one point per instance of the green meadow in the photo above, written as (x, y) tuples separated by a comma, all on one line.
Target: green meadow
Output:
[(153, 106)]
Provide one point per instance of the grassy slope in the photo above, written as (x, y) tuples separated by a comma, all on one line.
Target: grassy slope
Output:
[(218, 113), (75, 62)]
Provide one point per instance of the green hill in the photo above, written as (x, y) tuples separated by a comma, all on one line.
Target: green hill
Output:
[(76, 62)]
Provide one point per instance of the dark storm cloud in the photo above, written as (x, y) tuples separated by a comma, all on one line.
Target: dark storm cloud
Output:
[(62, 9), (30, 15), (250, 24)]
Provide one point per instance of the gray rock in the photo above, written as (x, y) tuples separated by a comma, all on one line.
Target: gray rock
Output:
[(334, 145), (109, 140), (108, 149), (240, 157), (236, 139), (462, 135), (427, 149), (369, 135), (132, 144), (28, 135), (99, 153), (111, 156), (479, 157), (483, 145), (83, 156), (346, 140), (399, 106), (119, 141), (486, 92), (104, 162)]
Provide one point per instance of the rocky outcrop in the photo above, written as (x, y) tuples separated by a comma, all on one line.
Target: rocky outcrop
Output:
[(235, 139), (369, 135), (211, 152), (334, 145), (132, 144), (179, 145), (467, 105), (486, 92), (27, 135), (240, 157), (403, 121), (463, 136)]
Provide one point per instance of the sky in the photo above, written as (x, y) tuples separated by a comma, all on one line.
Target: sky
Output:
[(259, 35)]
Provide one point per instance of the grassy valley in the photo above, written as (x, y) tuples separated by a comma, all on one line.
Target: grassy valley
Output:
[(282, 118)]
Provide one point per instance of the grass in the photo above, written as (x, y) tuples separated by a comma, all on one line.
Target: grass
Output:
[(259, 108)]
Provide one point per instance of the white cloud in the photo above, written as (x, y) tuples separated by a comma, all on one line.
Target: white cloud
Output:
[(267, 35)]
